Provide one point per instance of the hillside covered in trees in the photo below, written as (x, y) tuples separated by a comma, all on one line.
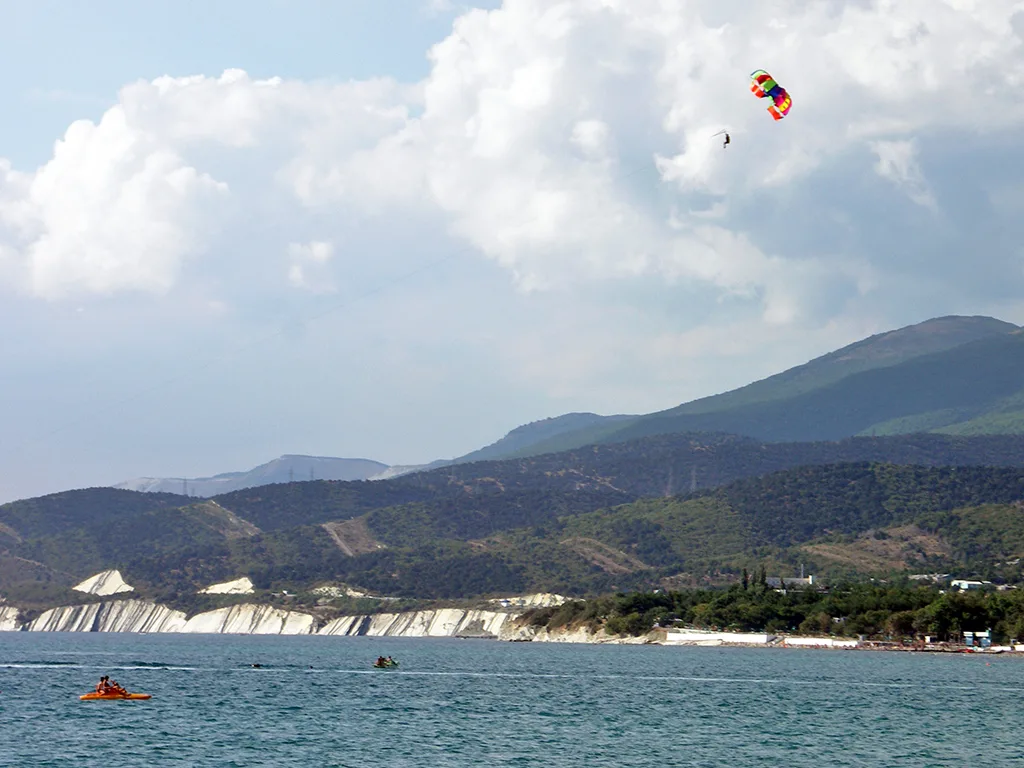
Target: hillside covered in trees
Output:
[(523, 526)]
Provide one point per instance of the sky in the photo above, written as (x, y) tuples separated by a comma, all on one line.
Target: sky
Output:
[(397, 229)]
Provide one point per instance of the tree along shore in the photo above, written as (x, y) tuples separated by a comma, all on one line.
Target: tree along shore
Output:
[(875, 612)]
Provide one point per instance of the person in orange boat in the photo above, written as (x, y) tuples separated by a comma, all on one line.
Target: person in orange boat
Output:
[(101, 686)]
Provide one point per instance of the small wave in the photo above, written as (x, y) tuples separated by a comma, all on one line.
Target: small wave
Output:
[(72, 665), (168, 667), (41, 665)]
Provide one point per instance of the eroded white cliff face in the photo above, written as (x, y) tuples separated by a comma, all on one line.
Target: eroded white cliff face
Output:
[(113, 616), (251, 620), (574, 635), (445, 622), (134, 615), (144, 616), (104, 584), (9, 619), (242, 586)]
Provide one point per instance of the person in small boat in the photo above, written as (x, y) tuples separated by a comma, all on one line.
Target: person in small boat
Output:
[(390, 660), (381, 661), (102, 685)]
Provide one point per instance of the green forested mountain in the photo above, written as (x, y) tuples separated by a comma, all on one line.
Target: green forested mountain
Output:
[(879, 351), (945, 391), (573, 533), (793, 508), (962, 375), (601, 475), (863, 518), (84, 508), (666, 465)]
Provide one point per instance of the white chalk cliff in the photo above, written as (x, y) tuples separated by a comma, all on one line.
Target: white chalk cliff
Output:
[(113, 616), (144, 616), (446, 622), (104, 584), (8, 618), (572, 635), (133, 615), (242, 586), (251, 620)]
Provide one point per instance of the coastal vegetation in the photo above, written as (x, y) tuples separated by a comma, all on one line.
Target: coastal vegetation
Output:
[(899, 612)]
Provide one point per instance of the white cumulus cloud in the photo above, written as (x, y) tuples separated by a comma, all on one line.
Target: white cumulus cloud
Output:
[(115, 209), (568, 149), (538, 139)]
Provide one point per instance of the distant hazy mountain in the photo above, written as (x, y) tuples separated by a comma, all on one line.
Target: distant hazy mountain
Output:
[(287, 468), (952, 374)]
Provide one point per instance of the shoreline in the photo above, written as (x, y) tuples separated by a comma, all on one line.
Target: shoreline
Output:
[(136, 616)]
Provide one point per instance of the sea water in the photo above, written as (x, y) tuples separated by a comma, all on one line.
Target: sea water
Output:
[(317, 701)]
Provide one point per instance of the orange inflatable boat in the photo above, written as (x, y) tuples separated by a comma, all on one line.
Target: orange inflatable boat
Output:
[(94, 696)]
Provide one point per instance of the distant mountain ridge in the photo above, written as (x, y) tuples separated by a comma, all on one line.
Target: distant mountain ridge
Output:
[(284, 469), (878, 351), (290, 467), (942, 391), (952, 374), (971, 370)]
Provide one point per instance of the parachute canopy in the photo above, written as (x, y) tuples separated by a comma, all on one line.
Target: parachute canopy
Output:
[(764, 86)]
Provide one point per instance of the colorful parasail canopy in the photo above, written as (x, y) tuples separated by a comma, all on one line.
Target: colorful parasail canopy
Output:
[(764, 86)]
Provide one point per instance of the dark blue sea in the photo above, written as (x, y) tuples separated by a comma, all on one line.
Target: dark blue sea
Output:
[(316, 701)]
